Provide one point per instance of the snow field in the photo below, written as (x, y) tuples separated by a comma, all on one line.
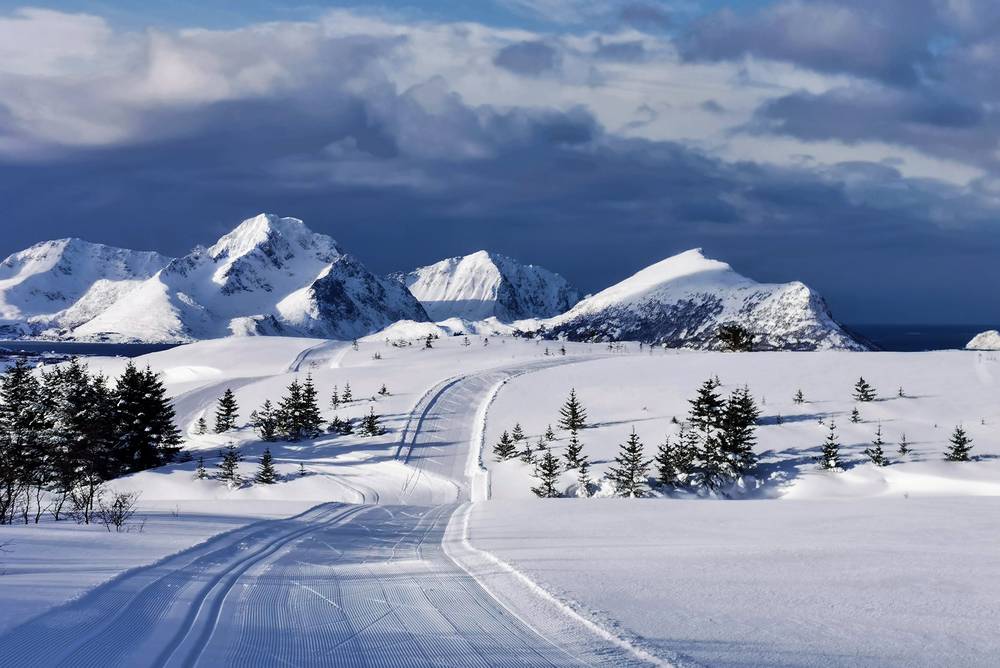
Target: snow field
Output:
[(645, 392)]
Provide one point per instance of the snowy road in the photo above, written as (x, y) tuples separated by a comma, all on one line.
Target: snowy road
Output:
[(339, 585)]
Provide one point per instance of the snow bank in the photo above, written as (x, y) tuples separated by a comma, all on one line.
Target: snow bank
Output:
[(988, 340)]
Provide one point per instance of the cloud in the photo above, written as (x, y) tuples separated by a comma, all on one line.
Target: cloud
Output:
[(527, 58)]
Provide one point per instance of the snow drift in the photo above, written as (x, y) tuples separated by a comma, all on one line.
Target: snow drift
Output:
[(988, 340)]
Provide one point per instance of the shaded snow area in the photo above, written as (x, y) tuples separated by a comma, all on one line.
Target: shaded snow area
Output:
[(647, 392), (886, 582), (367, 550)]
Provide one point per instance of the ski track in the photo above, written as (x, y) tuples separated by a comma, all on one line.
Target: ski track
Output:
[(339, 585)]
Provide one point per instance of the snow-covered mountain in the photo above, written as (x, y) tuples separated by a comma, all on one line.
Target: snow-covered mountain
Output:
[(55, 286), (681, 301), (270, 275), (487, 285), (988, 340)]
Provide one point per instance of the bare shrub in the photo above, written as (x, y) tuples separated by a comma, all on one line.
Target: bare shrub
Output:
[(118, 512)]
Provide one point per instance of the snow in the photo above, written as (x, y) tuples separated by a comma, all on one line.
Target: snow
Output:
[(887, 582), (873, 566), (486, 285), (988, 340)]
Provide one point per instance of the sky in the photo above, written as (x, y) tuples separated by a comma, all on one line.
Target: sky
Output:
[(852, 145)]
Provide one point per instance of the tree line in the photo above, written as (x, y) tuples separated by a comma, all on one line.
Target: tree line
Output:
[(66, 431)]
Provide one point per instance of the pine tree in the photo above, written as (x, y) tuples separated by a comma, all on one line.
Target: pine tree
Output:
[(335, 399), (904, 447), (666, 464), (265, 421), (310, 419), (736, 435), (855, 415), (830, 459), (863, 391), (901, 394), (547, 474), (200, 473), (572, 416), (706, 416), (429, 341), (146, 433), (302, 469), (347, 397), (960, 446), (288, 418), (370, 424), (504, 448), (549, 434), (383, 391), (583, 479), (265, 471), (226, 413), (517, 434), (466, 342), (229, 469), (574, 452), (341, 427), (23, 431), (528, 455), (629, 477), (875, 452), (201, 427), (799, 397)]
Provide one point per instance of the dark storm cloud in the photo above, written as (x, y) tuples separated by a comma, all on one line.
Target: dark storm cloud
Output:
[(527, 58)]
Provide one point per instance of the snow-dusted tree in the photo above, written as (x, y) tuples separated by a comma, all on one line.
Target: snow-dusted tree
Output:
[(311, 421), (288, 415), (200, 473), (504, 449), (146, 433), (265, 470), (346, 397), (876, 452), (383, 391), (799, 398), (959, 446), (549, 434), (736, 435), (547, 474), (23, 423), (528, 455), (265, 421), (201, 427), (370, 425), (517, 433), (583, 478), (226, 413), (666, 464), (863, 391), (904, 446), (830, 457), (855, 415), (574, 452), (629, 476), (572, 415), (229, 468), (429, 341), (339, 426), (335, 399), (705, 419)]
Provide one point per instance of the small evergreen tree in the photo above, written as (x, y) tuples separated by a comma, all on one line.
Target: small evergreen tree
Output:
[(736, 434), (429, 341), (310, 419), (574, 452), (335, 398), (201, 427), (629, 477), (144, 420), (288, 415), (666, 464), (229, 469), (706, 417), (960, 446), (799, 397), (863, 391), (504, 448), (517, 434), (466, 342), (547, 474), (876, 452), (904, 446), (528, 455), (266, 474), (370, 424), (549, 434), (855, 415), (830, 459), (572, 416), (347, 397), (200, 473), (302, 469), (901, 394), (264, 421), (226, 413), (383, 391), (583, 478)]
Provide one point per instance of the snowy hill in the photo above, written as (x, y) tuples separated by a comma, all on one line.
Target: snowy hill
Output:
[(988, 340), (486, 285), (268, 276), (55, 286), (681, 301)]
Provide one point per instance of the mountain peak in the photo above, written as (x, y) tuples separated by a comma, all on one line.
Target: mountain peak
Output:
[(266, 228), (484, 285)]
